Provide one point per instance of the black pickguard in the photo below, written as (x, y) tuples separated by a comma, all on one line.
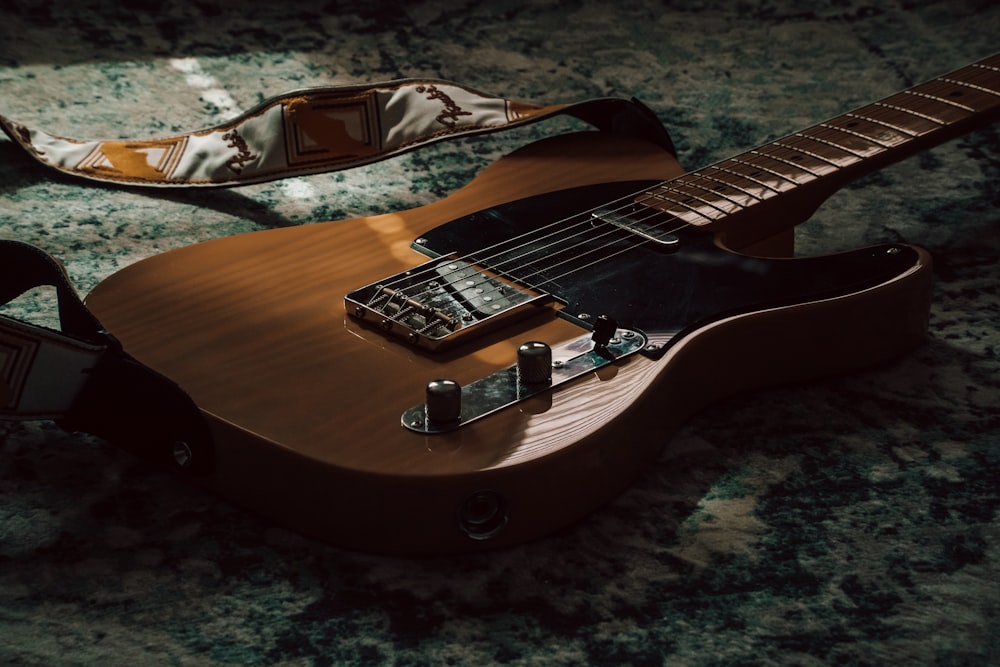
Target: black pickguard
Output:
[(654, 289)]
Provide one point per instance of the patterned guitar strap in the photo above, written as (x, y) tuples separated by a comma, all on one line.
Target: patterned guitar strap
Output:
[(80, 376)]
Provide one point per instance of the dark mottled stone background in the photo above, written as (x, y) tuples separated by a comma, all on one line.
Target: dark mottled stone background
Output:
[(852, 521)]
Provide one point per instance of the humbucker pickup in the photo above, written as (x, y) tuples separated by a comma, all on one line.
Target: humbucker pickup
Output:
[(439, 302)]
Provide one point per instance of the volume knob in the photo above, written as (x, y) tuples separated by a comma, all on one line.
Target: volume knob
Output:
[(534, 363), (444, 401)]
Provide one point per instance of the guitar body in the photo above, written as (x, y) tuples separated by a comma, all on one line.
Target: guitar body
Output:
[(304, 399)]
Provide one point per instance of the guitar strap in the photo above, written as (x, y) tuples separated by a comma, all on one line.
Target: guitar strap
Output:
[(319, 130), (80, 376)]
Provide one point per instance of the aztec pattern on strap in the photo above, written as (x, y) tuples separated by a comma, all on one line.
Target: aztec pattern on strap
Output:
[(304, 132)]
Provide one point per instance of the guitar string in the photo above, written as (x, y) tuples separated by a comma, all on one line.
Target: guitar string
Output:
[(584, 218), (651, 213), (685, 180), (797, 153), (531, 238), (933, 84), (635, 241), (722, 203), (527, 239), (418, 290), (562, 226), (632, 242), (589, 216), (737, 206), (624, 204), (534, 236), (562, 232)]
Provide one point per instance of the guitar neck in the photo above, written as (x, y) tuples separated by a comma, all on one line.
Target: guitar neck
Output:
[(804, 168)]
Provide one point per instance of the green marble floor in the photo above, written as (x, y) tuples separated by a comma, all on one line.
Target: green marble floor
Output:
[(851, 521)]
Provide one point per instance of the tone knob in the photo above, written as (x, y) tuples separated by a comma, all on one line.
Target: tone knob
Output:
[(534, 363), (444, 401)]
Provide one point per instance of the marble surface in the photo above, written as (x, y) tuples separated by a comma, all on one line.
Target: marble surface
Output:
[(852, 521)]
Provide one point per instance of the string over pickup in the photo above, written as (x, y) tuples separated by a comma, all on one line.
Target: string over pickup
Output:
[(439, 302), (647, 227)]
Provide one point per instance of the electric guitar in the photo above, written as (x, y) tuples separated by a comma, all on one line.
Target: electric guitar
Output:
[(489, 368)]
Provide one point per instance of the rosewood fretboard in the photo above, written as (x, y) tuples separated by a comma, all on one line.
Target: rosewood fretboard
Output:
[(828, 155)]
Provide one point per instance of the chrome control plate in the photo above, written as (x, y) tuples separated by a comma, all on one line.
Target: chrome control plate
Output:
[(505, 387)]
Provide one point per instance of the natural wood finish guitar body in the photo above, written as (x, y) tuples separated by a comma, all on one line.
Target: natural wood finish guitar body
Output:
[(304, 402)]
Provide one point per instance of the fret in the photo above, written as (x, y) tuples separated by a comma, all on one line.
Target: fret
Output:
[(971, 99), (866, 128), (984, 66), (993, 62), (720, 193), (835, 151), (853, 142), (783, 161), (694, 196), (897, 116), (978, 76), (677, 210), (659, 200), (772, 179), (840, 145), (741, 190), (927, 107), (823, 147), (943, 93), (977, 89), (970, 81)]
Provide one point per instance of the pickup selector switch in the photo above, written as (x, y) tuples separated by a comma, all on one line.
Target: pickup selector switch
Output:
[(604, 330), (534, 363), (444, 401)]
